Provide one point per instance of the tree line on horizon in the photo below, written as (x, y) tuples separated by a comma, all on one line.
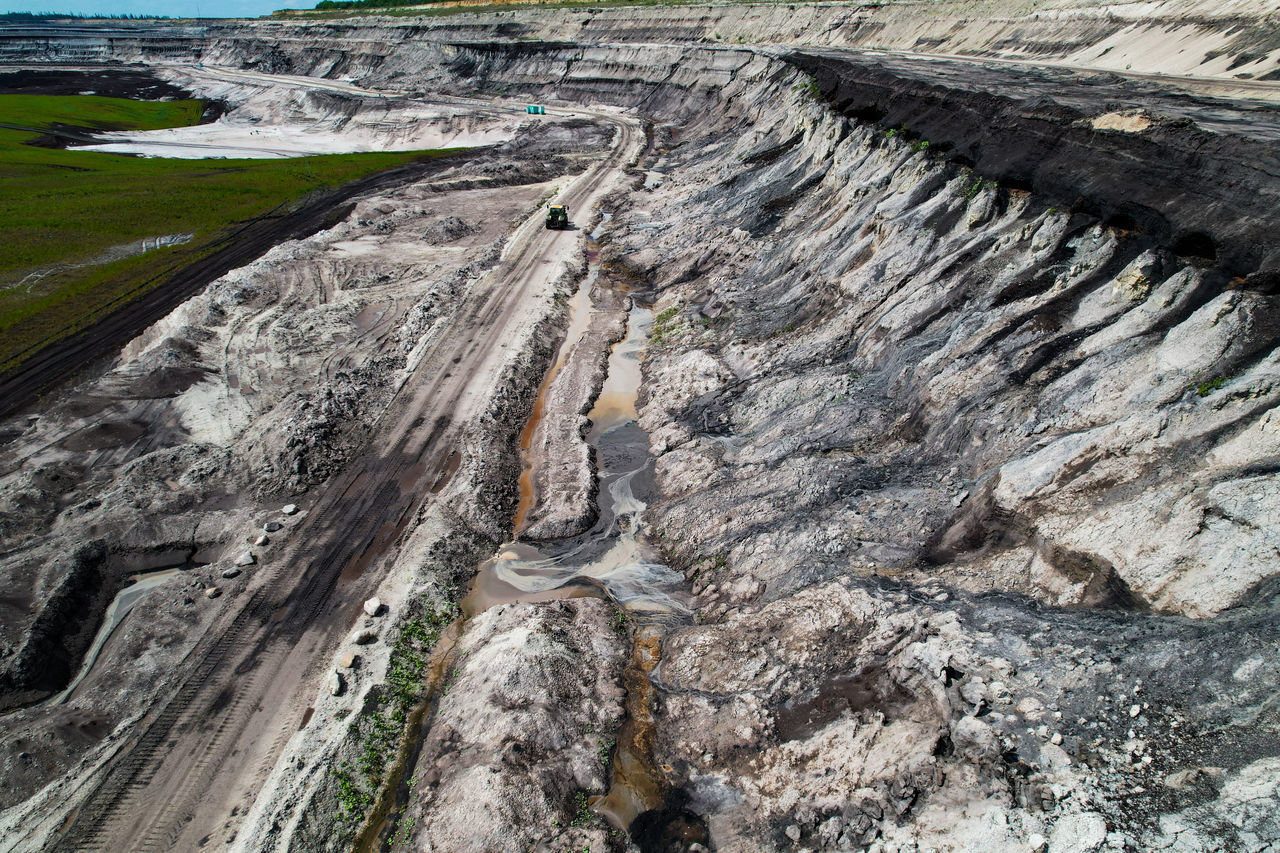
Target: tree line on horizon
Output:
[(18, 17)]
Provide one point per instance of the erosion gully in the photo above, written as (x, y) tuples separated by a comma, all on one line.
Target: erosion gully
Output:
[(612, 561)]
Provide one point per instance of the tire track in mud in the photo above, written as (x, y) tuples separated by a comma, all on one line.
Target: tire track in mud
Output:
[(155, 788)]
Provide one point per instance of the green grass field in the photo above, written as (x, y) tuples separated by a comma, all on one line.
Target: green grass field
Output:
[(62, 211)]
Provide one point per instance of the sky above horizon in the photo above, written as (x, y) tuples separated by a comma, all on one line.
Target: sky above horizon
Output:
[(167, 8)]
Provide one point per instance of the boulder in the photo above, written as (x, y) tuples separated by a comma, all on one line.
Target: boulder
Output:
[(261, 540), (347, 660), (1078, 833), (366, 637), (373, 606), (289, 509), (230, 573), (272, 526), (336, 684), (212, 592), (246, 559)]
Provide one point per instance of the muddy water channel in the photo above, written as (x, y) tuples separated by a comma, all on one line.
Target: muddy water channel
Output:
[(612, 558), (611, 561)]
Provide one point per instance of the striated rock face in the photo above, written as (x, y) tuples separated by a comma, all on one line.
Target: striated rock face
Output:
[(898, 408), (515, 747), (920, 370), (1231, 42)]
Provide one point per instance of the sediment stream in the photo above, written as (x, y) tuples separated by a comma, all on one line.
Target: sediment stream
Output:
[(612, 561)]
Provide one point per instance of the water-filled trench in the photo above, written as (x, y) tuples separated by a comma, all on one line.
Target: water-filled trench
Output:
[(140, 584), (612, 560)]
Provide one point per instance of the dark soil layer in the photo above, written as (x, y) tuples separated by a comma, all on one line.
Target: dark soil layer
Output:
[(1200, 194), (137, 84)]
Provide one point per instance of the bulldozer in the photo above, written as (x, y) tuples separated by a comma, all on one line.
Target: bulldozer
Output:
[(557, 216)]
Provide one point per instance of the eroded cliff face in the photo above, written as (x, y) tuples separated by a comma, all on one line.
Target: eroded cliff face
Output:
[(893, 404), (1234, 43), (961, 397)]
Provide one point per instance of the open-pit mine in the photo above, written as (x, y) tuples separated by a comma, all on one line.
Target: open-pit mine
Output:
[(884, 455)]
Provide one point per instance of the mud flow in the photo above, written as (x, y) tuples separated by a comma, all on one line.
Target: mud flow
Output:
[(613, 560)]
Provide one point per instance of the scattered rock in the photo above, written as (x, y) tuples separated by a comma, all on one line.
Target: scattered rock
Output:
[(1037, 842), (230, 573), (262, 541), (289, 509), (212, 592), (336, 684), (973, 691), (272, 526), (347, 660), (793, 832), (373, 606), (364, 638), (246, 559)]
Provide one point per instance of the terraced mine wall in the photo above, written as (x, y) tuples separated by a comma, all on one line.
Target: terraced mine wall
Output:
[(962, 411), (1235, 42)]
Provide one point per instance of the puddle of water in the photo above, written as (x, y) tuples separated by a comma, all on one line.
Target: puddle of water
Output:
[(370, 317), (451, 465), (602, 227), (120, 606), (616, 404)]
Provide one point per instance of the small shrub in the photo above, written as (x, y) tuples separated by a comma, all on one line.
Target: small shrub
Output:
[(582, 815), (1204, 389)]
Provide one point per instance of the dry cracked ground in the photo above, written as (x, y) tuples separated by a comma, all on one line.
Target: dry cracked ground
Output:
[(886, 459)]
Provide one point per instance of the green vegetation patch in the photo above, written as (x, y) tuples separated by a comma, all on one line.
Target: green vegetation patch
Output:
[(1204, 389), (71, 221), (96, 113), (379, 731), (666, 325)]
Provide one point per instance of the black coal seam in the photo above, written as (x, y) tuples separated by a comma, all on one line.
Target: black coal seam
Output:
[(1033, 149)]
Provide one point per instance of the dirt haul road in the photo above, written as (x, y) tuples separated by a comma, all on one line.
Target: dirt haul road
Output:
[(193, 758)]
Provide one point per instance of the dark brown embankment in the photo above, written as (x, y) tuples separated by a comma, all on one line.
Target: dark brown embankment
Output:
[(1203, 194)]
